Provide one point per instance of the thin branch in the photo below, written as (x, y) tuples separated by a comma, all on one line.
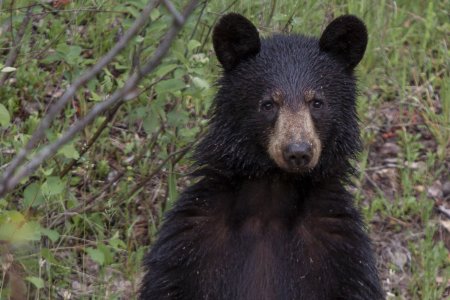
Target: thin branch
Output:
[(167, 41), (97, 133), (444, 210), (11, 180), (14, 52), (91, 141), (289, 21), (89, 203), (176, 15), (18, 8), (86, 204), (273, 5), (70, 92), (200, 15), (215, 22), (11, 6), (180, 154)]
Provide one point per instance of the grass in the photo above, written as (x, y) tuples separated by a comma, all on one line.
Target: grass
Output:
[(83, 235)]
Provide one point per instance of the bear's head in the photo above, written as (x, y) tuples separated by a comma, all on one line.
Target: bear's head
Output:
[(285, 103)]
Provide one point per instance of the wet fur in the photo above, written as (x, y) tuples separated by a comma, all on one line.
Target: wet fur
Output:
[(255, 240), (247, 229)]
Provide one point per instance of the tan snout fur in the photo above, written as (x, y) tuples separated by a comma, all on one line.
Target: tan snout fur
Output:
[(294, 126)]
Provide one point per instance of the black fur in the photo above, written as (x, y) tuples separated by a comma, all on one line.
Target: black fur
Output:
[(247, 229), (235, 39), (345, 37)]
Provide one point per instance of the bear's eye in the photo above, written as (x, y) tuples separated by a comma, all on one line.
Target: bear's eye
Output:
[(267, 105), (317, 103)]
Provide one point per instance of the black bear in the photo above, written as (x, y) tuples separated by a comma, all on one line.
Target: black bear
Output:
[(269, 216)]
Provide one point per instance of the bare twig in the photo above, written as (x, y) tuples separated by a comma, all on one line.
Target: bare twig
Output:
[(273, 5), (70, 92), (215, 21), (11, 6), (289, 21), (91, 141), (200, 15), (10, 9), (10, 180), (444, 210), (97, 133), (179, 154), (176, 15), (14, 52), (90, 202), (86, 205)]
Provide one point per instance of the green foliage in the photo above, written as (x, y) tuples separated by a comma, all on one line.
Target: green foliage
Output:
[(84, 232), (36, 281), (15, 228), (4, 116)]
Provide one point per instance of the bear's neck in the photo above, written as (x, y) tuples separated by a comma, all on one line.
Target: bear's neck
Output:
[(271, 199)]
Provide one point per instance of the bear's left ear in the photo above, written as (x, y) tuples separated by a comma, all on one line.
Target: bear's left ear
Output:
[(345, 38), (235, 39)]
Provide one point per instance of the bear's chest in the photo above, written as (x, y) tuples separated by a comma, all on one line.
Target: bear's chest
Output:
[(263, 259), (268, 240)]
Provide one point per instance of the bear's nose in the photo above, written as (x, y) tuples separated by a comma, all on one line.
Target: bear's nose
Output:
[(298, 155)]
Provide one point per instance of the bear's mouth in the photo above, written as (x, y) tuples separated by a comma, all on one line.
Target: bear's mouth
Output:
[(297, 157)]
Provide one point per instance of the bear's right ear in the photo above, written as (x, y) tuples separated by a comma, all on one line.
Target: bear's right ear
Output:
[(235, 39), (346, 39)]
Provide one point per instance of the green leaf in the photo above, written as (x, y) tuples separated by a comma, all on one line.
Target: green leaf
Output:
[(52, 57), (32, 196), (47, 172), (7, 230), (109, 257), (5, 119), (107, 83), (170, 85), (193, 44), (12, 216), (30, 231), (116, 242), (172, 186), (151, 123), (154, 14), (53, 186), (96, 255), (133, 11), (164, 69), (139, 39), (74, 52), (36, 281), (69, 151), (177, 118), (53, 235), (200, 83), (48, 255), (189, 133), (8, 69), (96, 97), (16, 232)]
